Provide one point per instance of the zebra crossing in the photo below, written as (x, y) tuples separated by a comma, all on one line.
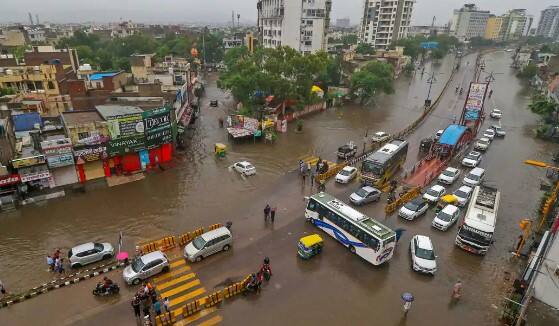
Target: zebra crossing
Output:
[(181, 286)]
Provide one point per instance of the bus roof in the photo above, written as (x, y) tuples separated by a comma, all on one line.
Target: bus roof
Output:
[(367, 223), (482, 212), (386, 152)]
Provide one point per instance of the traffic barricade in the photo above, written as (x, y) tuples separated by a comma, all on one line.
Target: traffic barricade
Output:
[(189, 236)]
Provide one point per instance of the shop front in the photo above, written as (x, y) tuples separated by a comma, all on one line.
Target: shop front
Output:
[(127, 140), (91, 162), (159, 137), (35, 178), (8, 190), (60, 161)]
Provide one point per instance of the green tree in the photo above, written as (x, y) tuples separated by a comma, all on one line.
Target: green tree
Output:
[(545, 108), (349, 39), (212, 46), (528, 72), (373, 78), (364, 48), (6, 91)]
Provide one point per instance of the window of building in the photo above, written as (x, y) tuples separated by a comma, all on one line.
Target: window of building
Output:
[(50, 85), (83, 135), (308, 43), (309, 22)]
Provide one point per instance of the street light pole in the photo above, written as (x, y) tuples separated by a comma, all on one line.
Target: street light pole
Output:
[(430, 81)]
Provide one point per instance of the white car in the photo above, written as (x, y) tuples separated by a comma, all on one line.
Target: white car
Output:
[(463, 194), (433, 194), (423, 255), (482, 144), (496, 114), (438, 134), (446, 217), (474, 177), (413, 209), (347, 174), (449, 175), (365, 195), (499, 131), (145, 266), (472, 159), (380, 137), (489, 133), (245, 168), (90, 252)]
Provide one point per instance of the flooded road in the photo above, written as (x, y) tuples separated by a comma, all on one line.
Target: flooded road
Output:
[(336, 287)]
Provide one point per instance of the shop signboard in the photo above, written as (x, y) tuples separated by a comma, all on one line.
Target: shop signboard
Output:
[(474, 102), (57, 146), (34, 173), (157, 127), (9, 180), (57, 161), (127, 134), (28, 161), (91, 153)]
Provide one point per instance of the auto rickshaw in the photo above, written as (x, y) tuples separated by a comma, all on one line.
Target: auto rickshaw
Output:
[(449, 199), (220, 149), (309, 246)]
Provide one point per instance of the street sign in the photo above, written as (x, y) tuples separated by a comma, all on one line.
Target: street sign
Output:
[(430, 45)]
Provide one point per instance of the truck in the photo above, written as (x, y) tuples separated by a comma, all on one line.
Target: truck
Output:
[(475, 233), (346, 151)]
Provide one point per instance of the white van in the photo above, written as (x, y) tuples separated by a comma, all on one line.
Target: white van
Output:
[(474, 178), (208, 244)]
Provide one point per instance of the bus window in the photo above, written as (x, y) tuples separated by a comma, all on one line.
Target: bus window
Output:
[(373, 243), (355, 231), (386, 242), (312, 205)]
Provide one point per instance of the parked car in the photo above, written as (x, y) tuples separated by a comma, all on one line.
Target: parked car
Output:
[(414, 208), (499, 131), (145, 266), (365, 195), (482, 144), (474, 177), (449, 175), (208, 244), (496, 114), (433, 194), (380, 136), (425, 144), (489, 133), (346, 151), (446, 217), (244, 167), (472, 159), (213, 103), (90, 252), (438, 134), (463, 194), (347, 174), (423, 255)]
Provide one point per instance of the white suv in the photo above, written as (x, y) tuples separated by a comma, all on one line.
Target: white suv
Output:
[(90, 252), (146, 266), (449, 175), (423, 255)]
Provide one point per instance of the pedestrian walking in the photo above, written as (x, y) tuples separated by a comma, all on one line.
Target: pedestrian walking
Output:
[(457, 290), (157, 307), (59, 267), (408, 298), (309, 168), (146, 310), (304, 175), (266, 212), (273, 214), (313, 174), (136, 305), (50, 263), (56, 254), (2, 289), (166, 304)]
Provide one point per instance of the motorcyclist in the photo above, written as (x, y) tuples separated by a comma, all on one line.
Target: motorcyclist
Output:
[(266, 267), (457, 88), (107, 283), (253, 282), (461, 90)]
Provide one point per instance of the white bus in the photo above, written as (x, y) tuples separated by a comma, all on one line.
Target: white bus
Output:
[(361, 234)]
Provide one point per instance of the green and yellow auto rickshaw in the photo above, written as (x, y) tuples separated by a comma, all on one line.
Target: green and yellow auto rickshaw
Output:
[(309, 246), (449, 199)]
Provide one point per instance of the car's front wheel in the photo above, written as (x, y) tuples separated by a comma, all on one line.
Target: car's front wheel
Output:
[(136, 281)]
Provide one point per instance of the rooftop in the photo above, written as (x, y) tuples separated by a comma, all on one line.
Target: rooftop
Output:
[(100, 75), (78, 117), (107, 111)]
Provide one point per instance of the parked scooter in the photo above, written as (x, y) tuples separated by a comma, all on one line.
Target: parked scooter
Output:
[(100, 290)]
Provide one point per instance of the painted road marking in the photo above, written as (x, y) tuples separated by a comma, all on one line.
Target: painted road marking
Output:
[(172, 273), (212, 321), (178, 263), (180, 279), (184, 298), (179, 289), (195, 317)]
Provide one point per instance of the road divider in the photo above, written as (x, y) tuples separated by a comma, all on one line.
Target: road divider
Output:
[(411, 194), (170, 242)]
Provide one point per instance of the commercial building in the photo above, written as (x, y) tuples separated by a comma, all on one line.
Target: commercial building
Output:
[(383, 22), (468, 22), (493, 29), (12, 37), (427, 30), (299, 24), (548, 25), (516, 24)]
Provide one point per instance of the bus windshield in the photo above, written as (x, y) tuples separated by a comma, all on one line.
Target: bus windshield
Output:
[(477, 236), (371, 167)]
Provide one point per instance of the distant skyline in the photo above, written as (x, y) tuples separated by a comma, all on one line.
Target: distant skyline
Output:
[(219, 11)]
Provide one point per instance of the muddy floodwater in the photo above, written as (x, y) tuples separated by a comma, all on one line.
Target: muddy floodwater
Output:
[(199, 190)]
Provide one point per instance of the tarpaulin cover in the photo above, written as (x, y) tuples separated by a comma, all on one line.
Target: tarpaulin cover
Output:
[(452, 135), (26, 121)]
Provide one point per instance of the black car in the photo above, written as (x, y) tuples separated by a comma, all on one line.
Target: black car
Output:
[(213, 103)]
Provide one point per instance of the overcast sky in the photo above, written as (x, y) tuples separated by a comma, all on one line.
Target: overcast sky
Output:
[(219, 11)]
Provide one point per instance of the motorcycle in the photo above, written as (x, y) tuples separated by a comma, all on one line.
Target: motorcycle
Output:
[(266, 272), (461, 91), (100, 290)]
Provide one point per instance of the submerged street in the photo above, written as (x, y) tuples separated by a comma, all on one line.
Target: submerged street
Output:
[(334, 287)]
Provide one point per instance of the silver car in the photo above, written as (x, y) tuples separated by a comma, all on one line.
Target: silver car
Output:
[(90, 252), (365, 195), (146, 266), (208, 244)]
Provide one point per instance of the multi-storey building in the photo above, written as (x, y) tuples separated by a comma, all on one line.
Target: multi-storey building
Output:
[(511, 26), (385, 21), (299, 24), (468, 22), (549, 23), (493, 28)]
